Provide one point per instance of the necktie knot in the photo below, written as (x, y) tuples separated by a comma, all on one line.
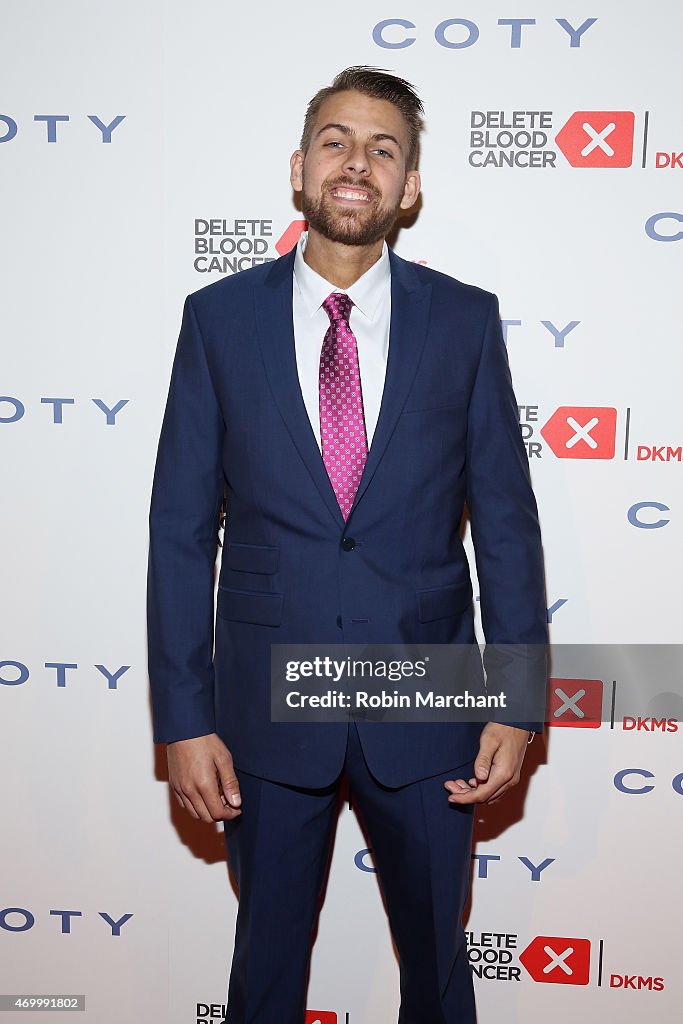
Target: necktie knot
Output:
[(338, 306)]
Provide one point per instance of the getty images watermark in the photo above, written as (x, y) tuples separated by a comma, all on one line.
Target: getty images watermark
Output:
[(408, 682), (627, 687)]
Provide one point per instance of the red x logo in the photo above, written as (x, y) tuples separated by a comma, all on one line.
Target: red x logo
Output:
[(598, 138)]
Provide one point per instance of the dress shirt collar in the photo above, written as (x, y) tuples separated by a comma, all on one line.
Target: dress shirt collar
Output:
[(366, 293)]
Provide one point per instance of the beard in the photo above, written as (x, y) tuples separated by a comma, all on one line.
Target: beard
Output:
[(364, 226)]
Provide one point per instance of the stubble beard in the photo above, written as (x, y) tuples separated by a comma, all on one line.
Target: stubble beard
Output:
[(344, 225)]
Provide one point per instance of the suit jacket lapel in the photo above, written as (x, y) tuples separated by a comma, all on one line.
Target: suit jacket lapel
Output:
[(275, 330), (410, 304)]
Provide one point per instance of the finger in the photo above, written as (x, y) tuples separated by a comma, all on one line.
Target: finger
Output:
[(230, 812), (494, 789), (514, 781), (483, 792), (216, 809), (460, 785), (187, 805), (200, 800), (230, 787), (484, 762), (183, 802), (472, 796), (499, 794), (489, 744)]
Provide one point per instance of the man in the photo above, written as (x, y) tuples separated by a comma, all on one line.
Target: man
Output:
[(347, 403)]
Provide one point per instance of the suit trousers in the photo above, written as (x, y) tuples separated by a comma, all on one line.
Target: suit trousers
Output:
[(278, 850)]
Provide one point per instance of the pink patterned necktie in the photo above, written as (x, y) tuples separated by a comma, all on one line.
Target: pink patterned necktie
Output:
[(342, 421)]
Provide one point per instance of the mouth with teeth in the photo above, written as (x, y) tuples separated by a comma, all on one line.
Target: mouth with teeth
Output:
[(347, 194)]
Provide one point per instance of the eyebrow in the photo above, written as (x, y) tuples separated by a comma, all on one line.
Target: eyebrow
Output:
[(345, 130)]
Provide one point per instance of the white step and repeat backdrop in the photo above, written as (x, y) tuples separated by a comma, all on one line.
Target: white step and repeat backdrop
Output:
[(137, 137)]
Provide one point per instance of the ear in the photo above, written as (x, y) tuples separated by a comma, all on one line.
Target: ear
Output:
[(296, 167), (411, 190)]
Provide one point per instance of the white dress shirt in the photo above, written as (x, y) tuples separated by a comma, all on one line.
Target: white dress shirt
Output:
[(369, 320)]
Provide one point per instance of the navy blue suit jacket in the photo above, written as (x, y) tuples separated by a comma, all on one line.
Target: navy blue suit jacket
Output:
[(235, 422)]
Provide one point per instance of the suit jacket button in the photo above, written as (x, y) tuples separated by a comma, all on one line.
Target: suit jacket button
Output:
[(348, 543)]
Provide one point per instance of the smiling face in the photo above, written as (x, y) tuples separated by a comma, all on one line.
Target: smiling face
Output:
[(353, 178)]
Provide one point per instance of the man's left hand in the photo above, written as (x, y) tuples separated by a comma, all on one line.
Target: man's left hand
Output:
[(497, 767)]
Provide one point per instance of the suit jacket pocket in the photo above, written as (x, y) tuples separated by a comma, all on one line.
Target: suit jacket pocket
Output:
[(450, 398), (260, 558), (443, 602), (249, 606)]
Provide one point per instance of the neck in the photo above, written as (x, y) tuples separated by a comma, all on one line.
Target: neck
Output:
[(339, 264)]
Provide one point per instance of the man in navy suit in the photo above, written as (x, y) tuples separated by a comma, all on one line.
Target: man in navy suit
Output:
[(346, 404)]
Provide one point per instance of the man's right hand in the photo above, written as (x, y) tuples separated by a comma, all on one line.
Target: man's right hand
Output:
[(202, 776)]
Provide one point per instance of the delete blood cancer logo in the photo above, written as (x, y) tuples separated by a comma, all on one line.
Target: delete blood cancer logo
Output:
[(577, 703), (571, 431), (525, 139), (227, 246), (589, 432), (549, 960)]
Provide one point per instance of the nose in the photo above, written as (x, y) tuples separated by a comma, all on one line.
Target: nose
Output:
[(357, 161)]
